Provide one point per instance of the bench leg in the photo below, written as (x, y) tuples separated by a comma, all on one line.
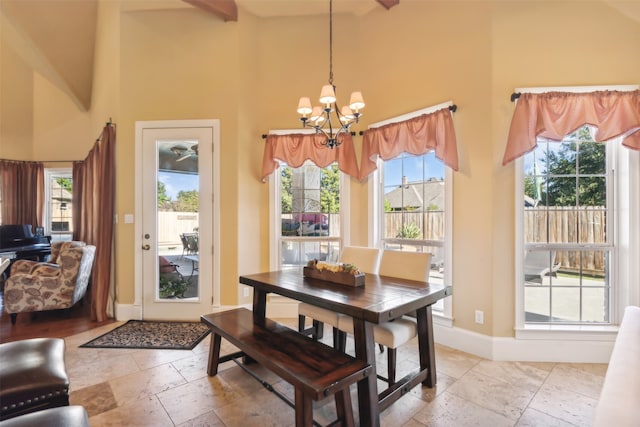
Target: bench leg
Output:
[(304, 409), (214, 354), (318, 330), (344, 409)]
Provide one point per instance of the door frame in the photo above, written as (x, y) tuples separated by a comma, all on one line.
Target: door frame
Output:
[(136, 311)]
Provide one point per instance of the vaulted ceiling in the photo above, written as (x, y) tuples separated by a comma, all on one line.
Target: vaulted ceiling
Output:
[(228, 10), (57, 37)]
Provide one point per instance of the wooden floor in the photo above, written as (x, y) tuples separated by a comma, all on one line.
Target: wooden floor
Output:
[(47, 324)]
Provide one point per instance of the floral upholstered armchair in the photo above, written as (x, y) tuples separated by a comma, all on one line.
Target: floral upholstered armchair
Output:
[(40, 286)]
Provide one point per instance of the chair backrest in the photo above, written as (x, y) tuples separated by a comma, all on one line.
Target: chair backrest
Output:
[(84, 271), (56, 247), (405, 265), (366, 259)]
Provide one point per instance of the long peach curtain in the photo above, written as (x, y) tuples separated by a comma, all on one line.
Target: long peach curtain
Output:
[(93, 212), (555, 114), (295, 149), (418, 135), (21, 192)]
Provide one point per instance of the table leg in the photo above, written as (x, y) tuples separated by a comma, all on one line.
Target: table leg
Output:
[(426, 346), (259, 306), (367, 389)]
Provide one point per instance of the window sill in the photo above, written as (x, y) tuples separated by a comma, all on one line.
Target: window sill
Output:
[(441, 320), (567, 332)]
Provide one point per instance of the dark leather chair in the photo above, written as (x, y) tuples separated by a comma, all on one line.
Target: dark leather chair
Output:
[(65, 416), (33, 376)]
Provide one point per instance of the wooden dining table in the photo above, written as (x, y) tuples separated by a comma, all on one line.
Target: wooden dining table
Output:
[(381, 299)]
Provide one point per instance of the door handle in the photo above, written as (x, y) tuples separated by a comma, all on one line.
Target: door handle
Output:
[(146, 247)]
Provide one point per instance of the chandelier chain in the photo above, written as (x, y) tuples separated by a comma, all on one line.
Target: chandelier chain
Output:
[(319, 117), (331, 42)]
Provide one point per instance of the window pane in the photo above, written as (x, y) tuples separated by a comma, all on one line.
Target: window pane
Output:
[(414, 204), (310, 208), (535, 225), (536, 303), (592, 158), (565, 204), (574, 283), (561, 191), (591, 225), (592, 191), (594, 305), (60, 194), (565, 304)]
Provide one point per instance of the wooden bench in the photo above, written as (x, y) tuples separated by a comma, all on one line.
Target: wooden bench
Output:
[(314, 369)]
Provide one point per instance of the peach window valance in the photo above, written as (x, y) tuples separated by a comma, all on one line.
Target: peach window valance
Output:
[(295, 149), (554, 115), (418, 135)]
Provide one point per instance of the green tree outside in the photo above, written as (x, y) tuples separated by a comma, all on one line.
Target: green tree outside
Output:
[(330, 189), (164, 202), (564, 180), (187, 201), (65, 183), (286, 196)]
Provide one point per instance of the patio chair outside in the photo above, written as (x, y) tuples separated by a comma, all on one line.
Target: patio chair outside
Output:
[(538, 264)]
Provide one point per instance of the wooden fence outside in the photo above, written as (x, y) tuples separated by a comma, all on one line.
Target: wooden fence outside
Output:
[(172, 224), (565, 225), (569, 225), (585, 225)]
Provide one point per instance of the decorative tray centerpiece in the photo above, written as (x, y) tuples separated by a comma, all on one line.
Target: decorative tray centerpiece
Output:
[(344, 274)]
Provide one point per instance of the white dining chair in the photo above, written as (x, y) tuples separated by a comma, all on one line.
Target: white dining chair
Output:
[(395, 333), (367, 260)]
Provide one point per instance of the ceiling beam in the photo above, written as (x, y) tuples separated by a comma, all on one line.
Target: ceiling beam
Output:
[(388, 4), (225, 9)]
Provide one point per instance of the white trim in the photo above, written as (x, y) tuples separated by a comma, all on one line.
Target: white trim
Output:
[(376, 208), (345, 209), (275, 238), (276, 226), (623, 201), (519, 242), (374, 211), (63, 172), (447, 303), (560, 347), (564, 348), (140, 126), (124, 312), (576, 89), (411, 115)]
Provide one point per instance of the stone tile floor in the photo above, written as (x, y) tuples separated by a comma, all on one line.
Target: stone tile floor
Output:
[(121, 387)]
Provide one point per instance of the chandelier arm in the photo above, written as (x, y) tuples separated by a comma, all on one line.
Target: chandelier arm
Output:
[(331, 130)]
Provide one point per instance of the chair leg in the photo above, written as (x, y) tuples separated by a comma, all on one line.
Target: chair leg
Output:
[(391, 365), (301, 320), (318, 330), (14, 316), (339, 340)]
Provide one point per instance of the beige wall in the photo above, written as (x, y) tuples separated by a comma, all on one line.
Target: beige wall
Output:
[(185, 64)]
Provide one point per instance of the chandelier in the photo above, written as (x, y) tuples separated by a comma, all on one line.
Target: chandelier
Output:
[(319, 117)]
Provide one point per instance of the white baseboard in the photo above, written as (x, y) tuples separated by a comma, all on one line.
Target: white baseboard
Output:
[(573, 350), (126, 312), (492, 348)]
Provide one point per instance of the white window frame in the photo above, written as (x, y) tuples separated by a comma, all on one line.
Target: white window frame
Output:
[(376, 212), (625, 269), (275, 205), (50, 173)]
